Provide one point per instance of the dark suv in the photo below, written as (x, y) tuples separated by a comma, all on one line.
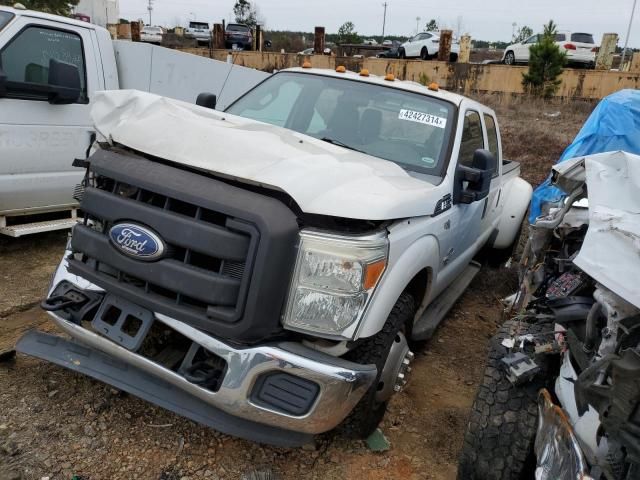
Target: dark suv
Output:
[(239, 35)]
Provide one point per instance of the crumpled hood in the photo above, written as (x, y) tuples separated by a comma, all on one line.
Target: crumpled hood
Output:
[(322, 178)]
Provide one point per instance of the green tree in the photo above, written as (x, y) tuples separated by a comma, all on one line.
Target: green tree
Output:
[(545, 64), (432, 26), (245, 13), (523, 33), (57, 7), (347, 33)]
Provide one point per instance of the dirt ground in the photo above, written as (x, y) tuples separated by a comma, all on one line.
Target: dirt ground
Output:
[(57, 424)]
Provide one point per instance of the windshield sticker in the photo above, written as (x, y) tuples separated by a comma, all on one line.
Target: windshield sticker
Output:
[(425, 118)]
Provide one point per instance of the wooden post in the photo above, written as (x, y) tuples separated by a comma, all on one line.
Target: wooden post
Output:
[(218, 36), (124, 31), (135, 31), (445, 45), (604, 59), (465, 49), (318, 41), (635, 63), (258, 38)]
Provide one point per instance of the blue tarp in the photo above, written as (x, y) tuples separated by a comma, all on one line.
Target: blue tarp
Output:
[(613, 125)]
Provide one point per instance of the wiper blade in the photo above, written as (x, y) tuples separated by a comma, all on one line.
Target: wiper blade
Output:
[(333, 141)]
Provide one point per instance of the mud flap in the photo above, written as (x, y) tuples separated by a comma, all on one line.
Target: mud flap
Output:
[(95, 364)]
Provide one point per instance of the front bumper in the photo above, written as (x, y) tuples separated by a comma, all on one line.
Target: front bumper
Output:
[(341, 384)]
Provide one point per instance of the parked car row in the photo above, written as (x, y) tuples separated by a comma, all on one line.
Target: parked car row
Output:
[(580, 48)]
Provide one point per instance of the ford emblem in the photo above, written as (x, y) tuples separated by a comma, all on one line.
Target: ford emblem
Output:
[(137, 241)]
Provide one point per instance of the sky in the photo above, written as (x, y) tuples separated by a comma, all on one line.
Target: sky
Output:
[(484, 20)]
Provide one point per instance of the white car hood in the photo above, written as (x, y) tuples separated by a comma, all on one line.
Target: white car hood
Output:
[(611, 249), (321, 178)]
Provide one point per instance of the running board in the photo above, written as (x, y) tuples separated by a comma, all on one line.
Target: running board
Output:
[(23, 229), (436, 312), (126, 377)]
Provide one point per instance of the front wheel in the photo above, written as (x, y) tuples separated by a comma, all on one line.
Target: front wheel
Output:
[(498, 443), (389, 351), (424, 53), (509, 58)]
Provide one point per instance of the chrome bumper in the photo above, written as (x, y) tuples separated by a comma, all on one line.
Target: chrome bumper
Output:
[(342, 384)]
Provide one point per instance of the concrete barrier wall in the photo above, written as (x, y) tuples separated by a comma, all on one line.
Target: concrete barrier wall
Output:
[(458, 77)]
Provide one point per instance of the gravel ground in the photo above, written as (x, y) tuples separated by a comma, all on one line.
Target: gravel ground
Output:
[(57, 424)]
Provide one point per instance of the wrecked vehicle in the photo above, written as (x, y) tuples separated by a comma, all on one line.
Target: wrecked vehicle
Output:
[(560, 397), (261, 270), (51, 68)]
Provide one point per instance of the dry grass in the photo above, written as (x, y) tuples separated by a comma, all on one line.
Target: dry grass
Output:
[(533, 133)]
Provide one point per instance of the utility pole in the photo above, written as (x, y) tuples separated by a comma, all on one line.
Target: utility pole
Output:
[(513, 31), (150, 8), (626, 40), (417, 24), (384, 19)]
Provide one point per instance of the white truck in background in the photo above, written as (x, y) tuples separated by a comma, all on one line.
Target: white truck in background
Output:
[(50, 70)]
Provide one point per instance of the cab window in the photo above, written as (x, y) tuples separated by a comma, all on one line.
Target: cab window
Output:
[(472, 138), (26, 58), (492, 139)]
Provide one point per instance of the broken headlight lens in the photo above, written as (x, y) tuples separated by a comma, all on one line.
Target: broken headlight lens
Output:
[(333, 280)]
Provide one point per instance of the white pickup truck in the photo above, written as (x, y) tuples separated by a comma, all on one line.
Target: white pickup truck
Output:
[(50, 70), (261, 270)]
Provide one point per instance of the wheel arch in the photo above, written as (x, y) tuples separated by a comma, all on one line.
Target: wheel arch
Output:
[(413, 271)]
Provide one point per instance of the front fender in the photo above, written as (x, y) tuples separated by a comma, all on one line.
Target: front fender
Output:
[(408, 255), (516, 202)]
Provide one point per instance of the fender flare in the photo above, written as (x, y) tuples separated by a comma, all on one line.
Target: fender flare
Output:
[(422, 253), (516, 203)]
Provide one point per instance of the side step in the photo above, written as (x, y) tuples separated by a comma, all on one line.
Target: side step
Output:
[(95, 364), (435, 313), (38, 227)]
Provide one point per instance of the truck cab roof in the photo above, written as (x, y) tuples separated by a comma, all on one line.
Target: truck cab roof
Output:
[(406, 85), (18, 12)]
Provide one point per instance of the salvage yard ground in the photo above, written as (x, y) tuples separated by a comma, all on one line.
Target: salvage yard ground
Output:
[(56, 424)]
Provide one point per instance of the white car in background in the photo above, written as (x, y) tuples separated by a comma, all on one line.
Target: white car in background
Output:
[(425, 45), (151, 35), (580, 48)]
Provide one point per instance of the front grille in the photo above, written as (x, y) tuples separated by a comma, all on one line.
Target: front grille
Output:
[(218, 241)]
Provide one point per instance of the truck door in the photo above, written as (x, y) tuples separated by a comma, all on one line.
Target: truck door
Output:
[(38, 139), (490, 210)]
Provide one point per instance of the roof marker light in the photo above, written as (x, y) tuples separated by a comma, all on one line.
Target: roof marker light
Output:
[(306, 64), (389, 77), (341, 69), (364, 72), (434, 86)]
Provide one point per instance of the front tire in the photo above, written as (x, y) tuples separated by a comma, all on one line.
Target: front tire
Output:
[(509, 58), (424, 53), (368, 413), (498, 443)]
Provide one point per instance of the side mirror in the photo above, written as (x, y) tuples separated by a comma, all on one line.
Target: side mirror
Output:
[(64, 83), (268, 44), (473, 183), (207, 100)]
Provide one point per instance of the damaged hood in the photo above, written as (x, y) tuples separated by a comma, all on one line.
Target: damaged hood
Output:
[(322, 178), (611, 249)]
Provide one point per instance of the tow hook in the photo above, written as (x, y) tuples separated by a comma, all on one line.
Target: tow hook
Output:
[(61, 302)]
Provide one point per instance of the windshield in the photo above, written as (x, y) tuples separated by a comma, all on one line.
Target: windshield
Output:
[(407, 128), (237, 28), (5, 17), (204, 26), (582, 38)]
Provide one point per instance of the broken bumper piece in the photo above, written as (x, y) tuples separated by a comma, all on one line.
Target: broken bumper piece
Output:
[(279, 394)]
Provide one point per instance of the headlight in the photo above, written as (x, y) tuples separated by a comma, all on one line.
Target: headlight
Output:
[(556, 447), (333, 280)]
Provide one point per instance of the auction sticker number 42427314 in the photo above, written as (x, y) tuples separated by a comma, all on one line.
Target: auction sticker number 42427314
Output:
[(420, 117)]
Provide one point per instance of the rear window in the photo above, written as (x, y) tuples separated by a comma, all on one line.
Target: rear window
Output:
[(582, 38), (202, 25), (5, 18), (237, 28), (560, 37)]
